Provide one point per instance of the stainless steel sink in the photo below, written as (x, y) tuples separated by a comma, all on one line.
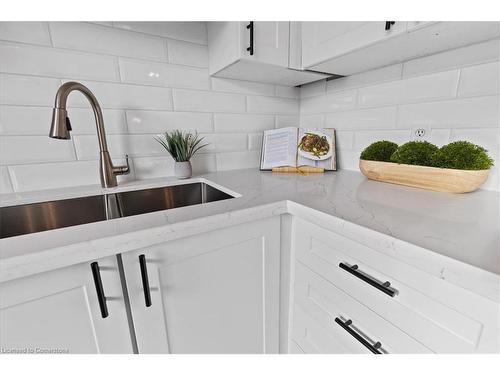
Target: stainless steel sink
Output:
[(38, 217)]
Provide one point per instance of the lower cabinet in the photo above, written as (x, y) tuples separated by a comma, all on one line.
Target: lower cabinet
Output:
[(216, 292), (351, 298), (59, 311)]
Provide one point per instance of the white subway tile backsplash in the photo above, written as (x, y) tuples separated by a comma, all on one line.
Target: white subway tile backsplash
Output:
[(244, 123), (195, 32), (344, 139), (107, 40), (470, 112), (363, 138), (255, 141), (440, 137), (32, 149), (238, 160), (263, 104), (184, 53), (348, 159), (25, 32), (59, 175), (87, 147), (22, 120), (5, 185), (51, 62), (480, 80), (312, 121), (161, 74), (222, 142), (26, 90), (153, 167), (388, 73), (283, 121), (156, 122), (419, 89), (287, 92), (206, 101), (204, 163), (332, 102), (313, 89), (373, 118), (121, 96), (242, 87), (487, 138), (464, 56)]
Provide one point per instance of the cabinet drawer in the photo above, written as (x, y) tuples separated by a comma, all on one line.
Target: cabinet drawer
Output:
[(317, 304), (441, 316)]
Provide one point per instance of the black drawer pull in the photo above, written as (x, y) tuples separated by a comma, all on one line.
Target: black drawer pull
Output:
[(383, 287), (99, 289), (145, 280), (374, 348), (388, 24), (250, 47)]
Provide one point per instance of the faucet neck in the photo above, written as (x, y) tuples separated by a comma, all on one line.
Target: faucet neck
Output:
[(60, 103)]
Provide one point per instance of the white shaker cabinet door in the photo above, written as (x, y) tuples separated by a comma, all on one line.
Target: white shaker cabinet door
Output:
[(327, 40), (216, 292), (270, 42), (59, 311)]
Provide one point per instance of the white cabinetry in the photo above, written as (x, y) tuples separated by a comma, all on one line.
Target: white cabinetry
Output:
[(216, 292), (346, 48), (260, 52), (59, 310), (426, 313)]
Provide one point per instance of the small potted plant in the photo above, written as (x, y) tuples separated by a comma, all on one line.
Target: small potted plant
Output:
[(458, 167), (182, 147)]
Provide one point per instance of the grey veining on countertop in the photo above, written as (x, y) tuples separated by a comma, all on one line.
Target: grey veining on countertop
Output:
[(464, 227)]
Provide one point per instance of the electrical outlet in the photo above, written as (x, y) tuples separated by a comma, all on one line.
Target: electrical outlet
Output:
[(419, 133)]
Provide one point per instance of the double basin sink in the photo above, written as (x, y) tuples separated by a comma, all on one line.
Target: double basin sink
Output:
[(38, 217)]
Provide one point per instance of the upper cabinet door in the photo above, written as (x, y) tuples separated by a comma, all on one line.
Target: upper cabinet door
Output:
[(60, 310), (216, 292), (270, 42), (326, 40)]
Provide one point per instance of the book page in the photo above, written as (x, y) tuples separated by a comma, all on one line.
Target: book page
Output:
[(279, 148), (316, 148)]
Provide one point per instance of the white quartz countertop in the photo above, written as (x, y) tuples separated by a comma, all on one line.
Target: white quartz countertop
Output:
[(464, 227)]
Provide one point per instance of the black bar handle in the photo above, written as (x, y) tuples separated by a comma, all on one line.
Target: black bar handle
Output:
[(388, 24), (145, 280), (250, 47), (383, 287), (346, 325), (99, 289)]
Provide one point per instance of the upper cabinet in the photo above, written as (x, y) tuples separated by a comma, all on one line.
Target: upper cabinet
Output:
[(346, 48), (258, 51)]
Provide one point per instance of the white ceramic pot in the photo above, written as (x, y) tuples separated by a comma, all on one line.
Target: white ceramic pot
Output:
[(183, 169)]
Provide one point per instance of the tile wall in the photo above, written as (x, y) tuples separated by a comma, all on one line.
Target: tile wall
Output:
[(148, 76), (453, 95)]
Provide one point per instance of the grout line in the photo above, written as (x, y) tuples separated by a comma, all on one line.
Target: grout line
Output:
[(47, 24), (458, 82)]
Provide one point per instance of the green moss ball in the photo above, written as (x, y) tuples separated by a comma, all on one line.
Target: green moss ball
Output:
[(379, 151), (462, 155), (415, 153)]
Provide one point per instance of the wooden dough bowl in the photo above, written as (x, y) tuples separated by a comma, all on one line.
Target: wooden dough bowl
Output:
[(430, 178)]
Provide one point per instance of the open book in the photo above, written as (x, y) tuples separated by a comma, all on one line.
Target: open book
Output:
[(297, 147)]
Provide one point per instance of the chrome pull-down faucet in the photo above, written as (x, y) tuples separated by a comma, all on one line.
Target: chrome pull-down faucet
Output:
[(61, 127)]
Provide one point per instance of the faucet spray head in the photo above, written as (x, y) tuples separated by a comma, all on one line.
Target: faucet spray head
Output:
[(60, 126)]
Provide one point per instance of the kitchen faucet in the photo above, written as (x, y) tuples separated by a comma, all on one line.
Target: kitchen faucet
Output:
[(61, 126)]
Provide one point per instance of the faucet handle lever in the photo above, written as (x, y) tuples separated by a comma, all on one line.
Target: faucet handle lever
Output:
[(123, 169)]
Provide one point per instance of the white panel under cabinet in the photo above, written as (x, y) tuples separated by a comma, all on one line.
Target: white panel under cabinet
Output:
[(59, 311), (216, 292)]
